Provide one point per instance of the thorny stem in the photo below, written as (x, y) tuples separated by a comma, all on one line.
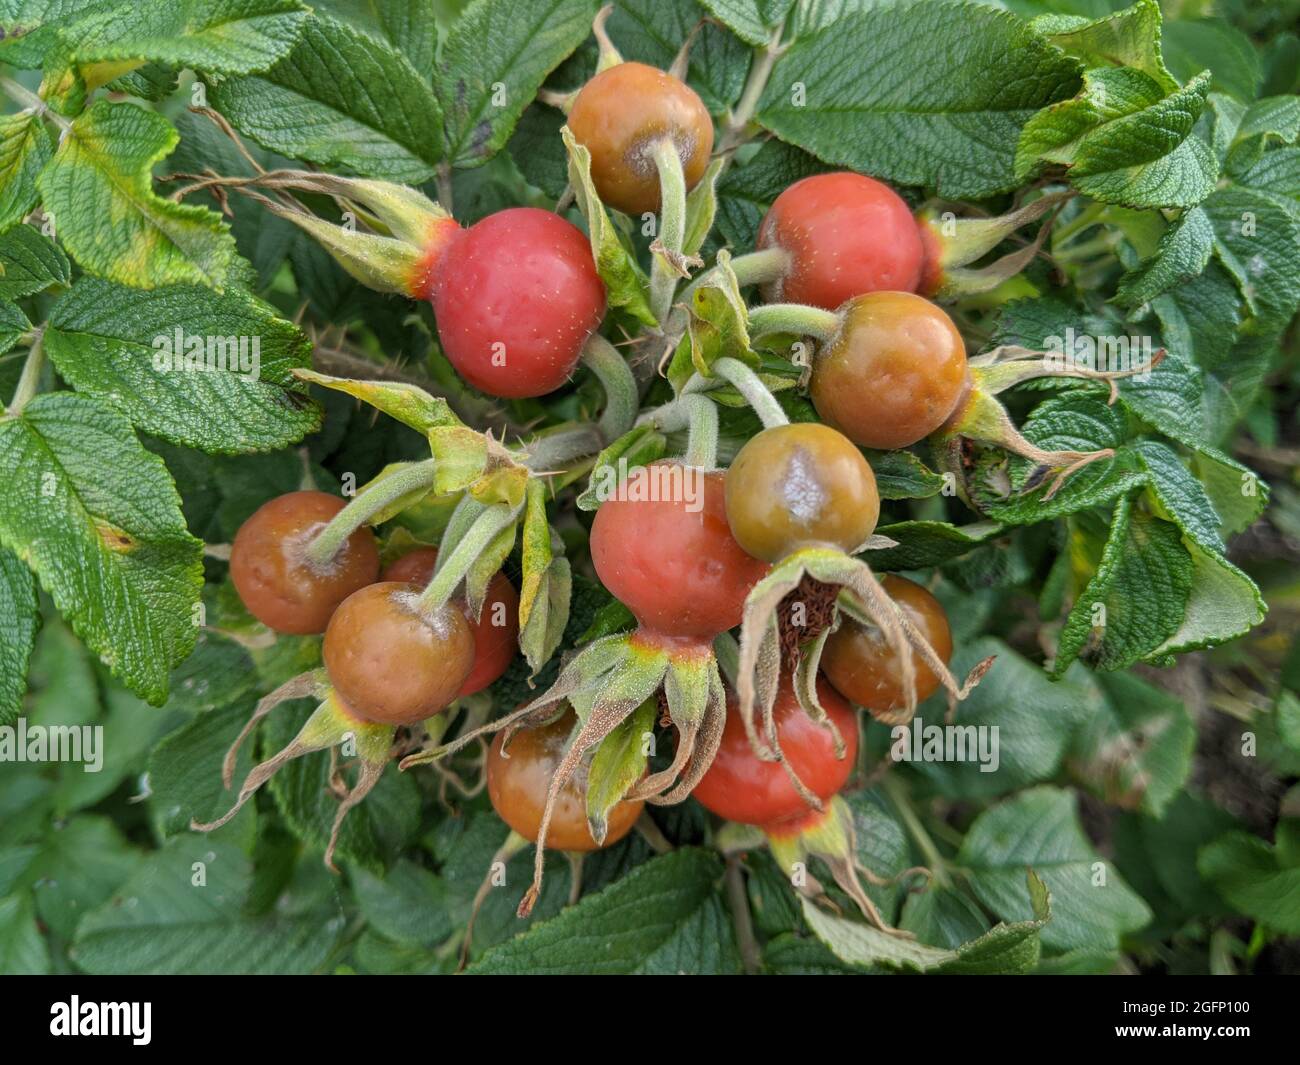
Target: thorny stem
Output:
[(453, 566), (741, 918), (747, 383), (369, 501), (672, 226), (793, 318), (621, 397), (31, 102), (893, 787), (30, 381), (553, 451)]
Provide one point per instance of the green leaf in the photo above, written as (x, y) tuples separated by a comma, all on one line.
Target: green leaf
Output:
[(1031, 717), (1182, 499), (98, 188), (232, 395), (19, 620), (407, 905), (639, 446), (1224, 604), (1259, 244), (1137, 597), (1092, 906), (183, 912), (410, 26), (1006, 948), (185, 769), (1191, 45), (901, 475), (680, 925), (25, 148), (1182, 253), (214, 36), (875, 99), (29, 29), (1128, 38), (31, 263), (619, 762), (1137, 752), (493, 62), (78, 866), (750, 20), (23, 950), (1251, 876), (409, 404), (98, 519), (929, 543), (625, 282), (341, 99)]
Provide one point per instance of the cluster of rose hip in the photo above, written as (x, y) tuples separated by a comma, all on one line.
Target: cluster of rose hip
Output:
[(516, 296)]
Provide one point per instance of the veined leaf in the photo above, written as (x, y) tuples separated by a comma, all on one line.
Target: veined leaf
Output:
[(928, 94), (31, 263), (1128, 38), (19, 620), (25, 148), (1182, 253), (221, 384), (750, 20), (494, 60), (99, 190), (98, 519), (341, 99)]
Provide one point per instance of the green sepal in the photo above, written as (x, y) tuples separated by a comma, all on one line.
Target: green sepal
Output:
[(547, 587), (639, 446), (619, 762), (625, 282), (717, 327), (475, 461), (409, 404)]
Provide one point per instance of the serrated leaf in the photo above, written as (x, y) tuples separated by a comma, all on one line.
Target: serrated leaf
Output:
[(1192, 44), (929, 543), (1247, 872), (98, 519), (1092, 906), (619, 762), (214, 36), (408, 904), (13, 326), (19, 620), (1006, 948), (1135, 753), (1129, 38), (31, 263), (99, 190), (1224, 604), (1136, 598), (1181, 497), (680, 926), (1031, 716), (160, 921), (137, 350), (25, 148), (494, 60), (878, 99), (1259, 244), (901, 475), (342, 99), (1182, 253), (750, 20), (409, 404), (625, 282)]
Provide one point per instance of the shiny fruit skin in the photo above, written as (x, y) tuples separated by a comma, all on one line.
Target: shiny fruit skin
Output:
[(893, 373), (678, 569), (390, 663), (846, 234), (495, 646), (800, 485), (865, 669), (274, 579), (518, 784), (516, 296), (620, 113), (741, 787)]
